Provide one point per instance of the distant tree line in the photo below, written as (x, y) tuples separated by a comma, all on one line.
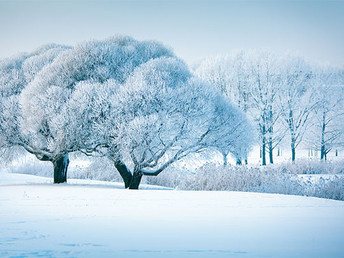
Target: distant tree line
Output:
[(288, 98)]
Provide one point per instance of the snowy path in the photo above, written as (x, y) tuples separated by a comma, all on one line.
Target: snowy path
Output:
[(103, 221)]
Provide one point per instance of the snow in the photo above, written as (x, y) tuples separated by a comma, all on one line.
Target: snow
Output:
[(98, 219)]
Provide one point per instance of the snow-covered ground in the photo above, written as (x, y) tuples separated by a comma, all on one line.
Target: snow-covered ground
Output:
[(98, 219)]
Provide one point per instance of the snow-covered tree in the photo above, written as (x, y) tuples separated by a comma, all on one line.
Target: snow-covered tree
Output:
[(231, 132), (229, 74), (162, 115), (251, 80), (44, 100), (12, 81), (15, 74), (264, 91), (328, 115), (281, 94), (297, 99)]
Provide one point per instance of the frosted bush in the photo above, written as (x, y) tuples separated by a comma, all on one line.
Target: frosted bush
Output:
[(307, 166), (268, 179), (231, 178), (331, 188)]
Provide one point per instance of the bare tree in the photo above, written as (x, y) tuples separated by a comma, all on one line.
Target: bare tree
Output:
[(327, 126), (297, 99)]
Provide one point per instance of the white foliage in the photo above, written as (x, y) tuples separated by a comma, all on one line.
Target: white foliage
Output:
[(166, 114), (15, 74), (231, 132), (47, 117), (42, 56)]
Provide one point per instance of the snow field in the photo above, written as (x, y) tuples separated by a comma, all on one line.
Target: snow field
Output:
[(103, 221)]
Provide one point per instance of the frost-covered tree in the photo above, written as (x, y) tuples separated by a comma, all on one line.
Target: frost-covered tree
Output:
[(15, 74), (231, 131), (229, 74), (284, 95), (264, 91), (162, 115), (328, 114), (44, 100), (297, 99), (251, 80), (12, 81)]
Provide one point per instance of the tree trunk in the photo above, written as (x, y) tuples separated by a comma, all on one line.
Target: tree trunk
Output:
[(292, 134), (60, 169), (270, 139), (263, 151), (293, 151), (136, 179), (131, 180), (225, 160), (271, 149), (124, 172), (322, 148), (322, 151)]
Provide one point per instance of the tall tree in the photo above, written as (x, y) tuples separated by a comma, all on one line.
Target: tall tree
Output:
[(328, 114), (297, 99), (229, 74)]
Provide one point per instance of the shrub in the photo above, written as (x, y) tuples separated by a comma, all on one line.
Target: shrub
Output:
[(269, 179)]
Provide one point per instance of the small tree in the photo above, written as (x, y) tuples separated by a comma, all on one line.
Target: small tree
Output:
[(231, 133)]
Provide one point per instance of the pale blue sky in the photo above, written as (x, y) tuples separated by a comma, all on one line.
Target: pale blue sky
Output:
[(194, 29)]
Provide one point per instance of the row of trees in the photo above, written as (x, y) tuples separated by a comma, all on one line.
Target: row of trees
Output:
[(132, 101), (289, 98)]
